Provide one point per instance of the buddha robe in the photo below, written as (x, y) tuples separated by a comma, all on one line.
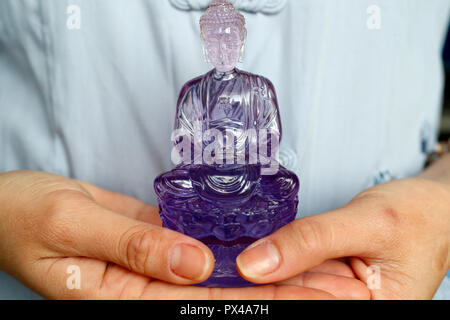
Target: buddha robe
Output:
[(233, 102)]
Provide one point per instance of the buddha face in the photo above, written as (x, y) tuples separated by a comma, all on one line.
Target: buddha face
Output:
[(223, 45)]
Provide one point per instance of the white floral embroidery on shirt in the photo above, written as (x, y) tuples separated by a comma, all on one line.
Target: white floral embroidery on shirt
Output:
[(264, 6)]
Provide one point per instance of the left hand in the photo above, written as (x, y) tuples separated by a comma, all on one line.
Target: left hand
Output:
[(401, 227)]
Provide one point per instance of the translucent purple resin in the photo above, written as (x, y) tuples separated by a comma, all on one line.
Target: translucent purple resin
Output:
[(222, 195)]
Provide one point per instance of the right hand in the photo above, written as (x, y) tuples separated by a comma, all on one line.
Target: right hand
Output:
[(48, 223)]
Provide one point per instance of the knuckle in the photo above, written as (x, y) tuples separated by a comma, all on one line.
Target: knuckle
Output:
[(136, 246), (57, 221), (387, 227), (389, 215), (388, 218)]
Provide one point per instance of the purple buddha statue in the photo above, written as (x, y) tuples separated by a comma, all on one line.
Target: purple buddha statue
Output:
[(228, 189)]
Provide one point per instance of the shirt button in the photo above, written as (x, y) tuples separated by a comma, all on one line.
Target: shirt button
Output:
[(426, 138), (383, 177)]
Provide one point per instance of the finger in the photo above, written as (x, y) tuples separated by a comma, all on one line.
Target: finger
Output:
[(334, 267), (361, 268), (99, 280), (79, 227), (84, 278), (355, 230), (164, 291), (124, 204), (342, 288)]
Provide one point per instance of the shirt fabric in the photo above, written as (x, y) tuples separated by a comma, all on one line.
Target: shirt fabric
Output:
[(359, 106)]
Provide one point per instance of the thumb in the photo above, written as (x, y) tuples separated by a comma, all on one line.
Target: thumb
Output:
[(357, 229), (80, 227)]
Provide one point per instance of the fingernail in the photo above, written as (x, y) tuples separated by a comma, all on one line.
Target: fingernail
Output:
[(259, 259), (188, 261)]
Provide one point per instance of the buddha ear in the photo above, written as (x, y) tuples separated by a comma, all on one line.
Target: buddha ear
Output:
[(205, 51), (244, 40), (242, 53), (205, 54)]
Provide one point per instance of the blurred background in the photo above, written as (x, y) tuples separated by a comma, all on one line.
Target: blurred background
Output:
[(445, 128)]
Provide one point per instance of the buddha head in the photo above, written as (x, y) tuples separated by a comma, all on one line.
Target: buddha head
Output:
[(223, 33)]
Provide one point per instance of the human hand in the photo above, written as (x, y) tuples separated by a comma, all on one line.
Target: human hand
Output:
[(402, 227), (48, 223)]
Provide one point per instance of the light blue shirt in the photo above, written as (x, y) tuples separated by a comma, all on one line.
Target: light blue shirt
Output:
[(359, 89)]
